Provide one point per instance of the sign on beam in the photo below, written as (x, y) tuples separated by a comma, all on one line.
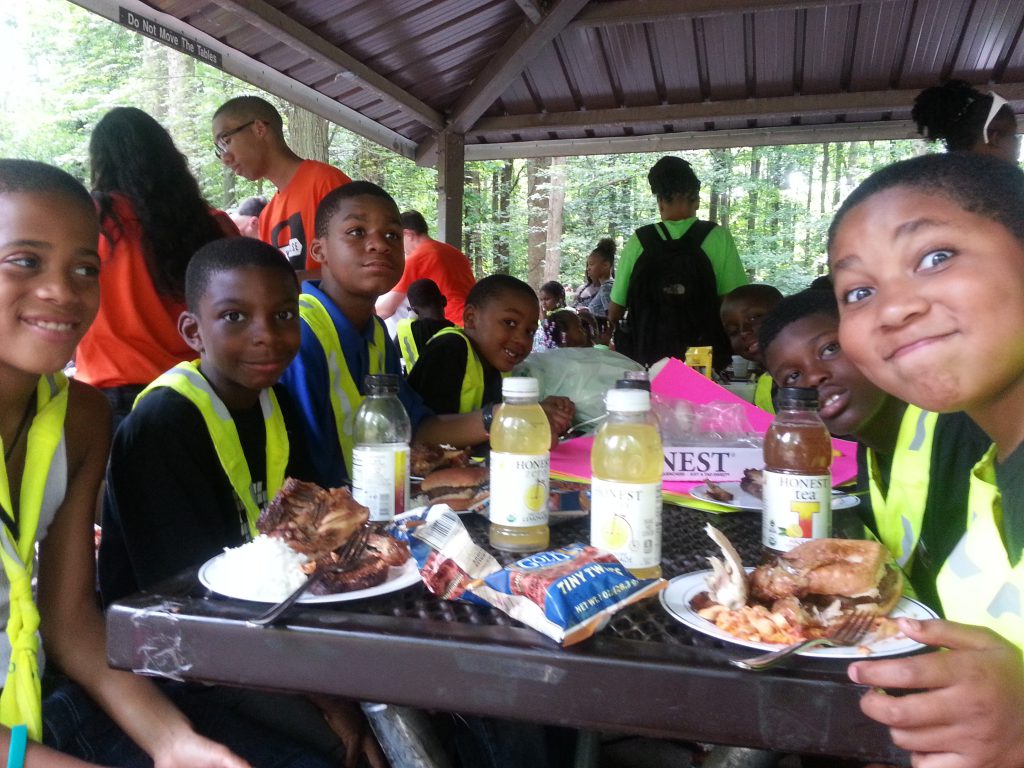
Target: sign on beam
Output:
[(169, 37)]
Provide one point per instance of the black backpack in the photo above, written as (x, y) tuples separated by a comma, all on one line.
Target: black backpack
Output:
[(673, 298)]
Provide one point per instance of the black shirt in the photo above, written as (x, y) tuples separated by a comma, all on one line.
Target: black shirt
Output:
[(1010, 479), (439, 372), (957, 446), (424, 328), (168, 505)]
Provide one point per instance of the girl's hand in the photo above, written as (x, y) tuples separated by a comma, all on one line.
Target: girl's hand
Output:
[(190, 750), (559, 411), (969, 713)]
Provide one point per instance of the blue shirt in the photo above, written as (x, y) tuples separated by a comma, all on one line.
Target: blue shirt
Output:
[(308, 383)]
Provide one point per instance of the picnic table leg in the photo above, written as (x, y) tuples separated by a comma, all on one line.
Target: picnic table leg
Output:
[(406, 735)]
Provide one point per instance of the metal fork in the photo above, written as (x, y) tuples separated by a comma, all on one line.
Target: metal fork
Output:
[(849, 632), (347, 559)]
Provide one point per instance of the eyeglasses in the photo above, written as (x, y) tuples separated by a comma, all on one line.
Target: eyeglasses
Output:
[(222, 143)]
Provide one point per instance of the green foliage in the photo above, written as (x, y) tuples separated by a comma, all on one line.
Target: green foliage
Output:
[(66, 67)]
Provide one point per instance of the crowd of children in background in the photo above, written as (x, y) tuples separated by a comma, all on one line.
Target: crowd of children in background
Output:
[(915, 344)]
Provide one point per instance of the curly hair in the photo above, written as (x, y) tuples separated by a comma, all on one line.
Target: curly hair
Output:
[(811, 301), (131, 154), (954, 112), (672, 176)]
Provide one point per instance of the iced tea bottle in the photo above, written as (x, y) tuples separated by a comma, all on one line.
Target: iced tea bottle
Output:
[(520, 469), (797, 480)]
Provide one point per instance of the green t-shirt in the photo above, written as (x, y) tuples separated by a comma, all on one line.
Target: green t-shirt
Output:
[(718, 245)]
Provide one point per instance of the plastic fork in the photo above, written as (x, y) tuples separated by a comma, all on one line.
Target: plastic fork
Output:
[(349, 555), (849, 632)]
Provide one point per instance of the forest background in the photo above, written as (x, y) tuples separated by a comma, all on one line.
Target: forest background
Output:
[(537, 219)]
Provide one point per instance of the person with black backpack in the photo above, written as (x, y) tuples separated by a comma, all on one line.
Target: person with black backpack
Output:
[(672, 275)]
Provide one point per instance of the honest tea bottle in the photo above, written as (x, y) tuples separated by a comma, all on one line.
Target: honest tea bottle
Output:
[(797, 481), (520, 464), (380, 459), (625, 504)]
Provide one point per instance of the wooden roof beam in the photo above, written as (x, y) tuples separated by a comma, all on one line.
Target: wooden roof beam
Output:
[(653, 11), (746, 109), (530, 9), (284, 29), (507, 64)]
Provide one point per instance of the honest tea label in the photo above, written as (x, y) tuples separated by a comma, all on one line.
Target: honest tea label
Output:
[(380, 479), (797, 508), (625, 519), (519, 489)]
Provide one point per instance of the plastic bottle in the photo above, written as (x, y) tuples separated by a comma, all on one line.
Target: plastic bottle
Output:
[(797, 481), (380, 459), (520, 466), (626, 462)]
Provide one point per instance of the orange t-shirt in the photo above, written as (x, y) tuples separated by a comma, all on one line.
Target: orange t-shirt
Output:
[(445, 265), (134, 337), (288, 221)]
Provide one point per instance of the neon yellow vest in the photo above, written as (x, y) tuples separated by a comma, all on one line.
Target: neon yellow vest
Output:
[(186, 380), (977, 583), (407, 344), (471, 397), (21, 700), (344, 394), (898, 514), (763, 393)]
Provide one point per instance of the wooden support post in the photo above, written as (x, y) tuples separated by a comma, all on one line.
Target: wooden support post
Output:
[(451, 187)]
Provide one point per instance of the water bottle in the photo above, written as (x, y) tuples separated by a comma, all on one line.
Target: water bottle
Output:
[(380, 459)]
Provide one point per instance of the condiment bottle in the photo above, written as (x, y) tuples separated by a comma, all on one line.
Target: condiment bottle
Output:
[(797, 481), (520, 467), (380, 459), (626, 462)]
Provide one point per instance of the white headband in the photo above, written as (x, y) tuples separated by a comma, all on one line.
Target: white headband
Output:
[(997, 103)]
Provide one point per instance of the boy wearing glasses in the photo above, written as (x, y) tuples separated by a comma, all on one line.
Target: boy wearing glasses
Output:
[(248, 137)]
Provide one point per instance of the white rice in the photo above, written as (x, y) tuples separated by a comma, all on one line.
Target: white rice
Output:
[(264, 569)]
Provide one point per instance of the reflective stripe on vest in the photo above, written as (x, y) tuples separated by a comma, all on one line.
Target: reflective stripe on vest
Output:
[(187, 381), (763, 393), (977, 583), (407, 344), (898, 514), (471, 396), (21, 701), (344, 394)]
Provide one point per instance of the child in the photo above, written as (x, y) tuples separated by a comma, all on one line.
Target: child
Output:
[(967, 120), (359, 248), (55, 436), (428, 303), (566, 329), (207, 444), (743, 310), (927, 257), (552, 296), (913, 466), (461, 370)]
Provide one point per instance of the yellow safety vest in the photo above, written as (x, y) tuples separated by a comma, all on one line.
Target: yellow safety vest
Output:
[(977, 583), (898, 514), (471, 397), (407, 344), (186, 380), (21, 700), (763, 393), (344, 394)]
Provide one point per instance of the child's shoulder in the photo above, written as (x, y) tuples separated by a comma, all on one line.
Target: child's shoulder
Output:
[(88, 422)]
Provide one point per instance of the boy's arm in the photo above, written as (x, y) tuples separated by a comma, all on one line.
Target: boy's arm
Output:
[(72, 628)]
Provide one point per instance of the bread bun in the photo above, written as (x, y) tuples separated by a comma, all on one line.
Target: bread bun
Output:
[(459, 487)]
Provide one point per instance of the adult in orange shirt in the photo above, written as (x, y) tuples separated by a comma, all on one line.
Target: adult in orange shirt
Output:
[(152, 219), (428, 258), (248, 137)]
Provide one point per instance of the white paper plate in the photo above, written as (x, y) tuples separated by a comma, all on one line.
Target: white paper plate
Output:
[(743, 500), (682, 589)]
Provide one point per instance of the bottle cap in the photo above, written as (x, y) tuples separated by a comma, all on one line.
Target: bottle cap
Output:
[(628, 400), (381, 383), (798, 397), (520, 386)]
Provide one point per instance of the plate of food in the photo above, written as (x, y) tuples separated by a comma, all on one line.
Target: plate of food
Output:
[(301, 529), (753, 609), (746, 494)]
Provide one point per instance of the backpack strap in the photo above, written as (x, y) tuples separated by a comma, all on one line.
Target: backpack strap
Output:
[(653, 237)]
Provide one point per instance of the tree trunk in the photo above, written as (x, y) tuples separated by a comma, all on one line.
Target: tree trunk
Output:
[(536, 213), (308, 134), (471, 235), (837, 175), (824, 177), (556, 209), (502, 211), (755, 180)]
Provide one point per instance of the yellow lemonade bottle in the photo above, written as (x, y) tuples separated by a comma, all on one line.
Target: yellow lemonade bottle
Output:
[(520, 466), (625, 505)]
